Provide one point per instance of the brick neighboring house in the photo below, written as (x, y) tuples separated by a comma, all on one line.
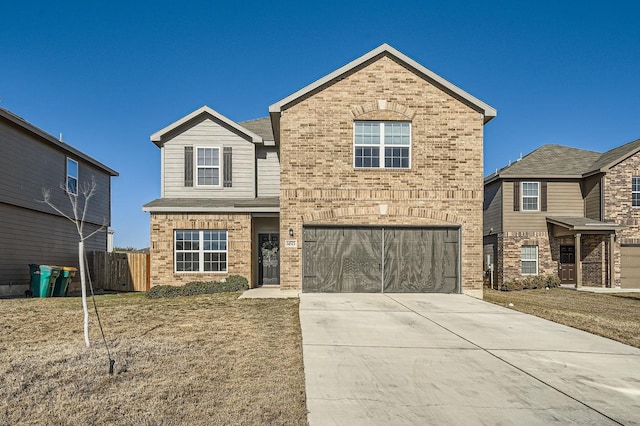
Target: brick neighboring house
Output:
[(367, 180), (567, 212)]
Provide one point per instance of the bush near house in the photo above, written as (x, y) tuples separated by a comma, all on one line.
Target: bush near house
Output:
[(532, 282), (230, 284)]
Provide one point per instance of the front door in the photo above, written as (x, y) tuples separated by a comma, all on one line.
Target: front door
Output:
[(567, 264), (268, 259)]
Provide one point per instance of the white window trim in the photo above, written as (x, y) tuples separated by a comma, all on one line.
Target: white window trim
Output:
[(196, 166), (522, 197), (201, 252), (634, 192), (536, 260), (381, 145), (66, 165)]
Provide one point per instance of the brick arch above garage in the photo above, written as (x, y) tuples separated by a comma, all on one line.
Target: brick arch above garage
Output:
[(381, 215)]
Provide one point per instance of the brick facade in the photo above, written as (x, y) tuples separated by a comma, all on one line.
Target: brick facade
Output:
[(319, 185), (593, 255), (239, 249), (618, 207)]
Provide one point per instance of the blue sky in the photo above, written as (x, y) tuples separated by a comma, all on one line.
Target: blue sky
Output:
[(108, 75)]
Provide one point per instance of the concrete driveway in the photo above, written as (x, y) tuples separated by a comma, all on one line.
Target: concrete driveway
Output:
[(430, 359)]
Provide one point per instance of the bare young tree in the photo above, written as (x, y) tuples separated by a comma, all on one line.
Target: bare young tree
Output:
[(79, 213)]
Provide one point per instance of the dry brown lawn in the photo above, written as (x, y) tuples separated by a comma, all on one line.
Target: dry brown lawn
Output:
[(616, 316), (210, 359)]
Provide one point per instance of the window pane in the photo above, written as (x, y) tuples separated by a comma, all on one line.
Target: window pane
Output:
[(396, 157), (208, 176), (529, 260), (367, 132), (530, 189), (72, 168), (367, 157), (397, 133)]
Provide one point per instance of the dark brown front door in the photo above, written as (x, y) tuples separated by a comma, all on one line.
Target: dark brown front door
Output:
[(268, 259), (567, 264)]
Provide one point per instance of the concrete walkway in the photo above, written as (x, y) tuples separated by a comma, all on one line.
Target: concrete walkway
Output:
[(406, 359)]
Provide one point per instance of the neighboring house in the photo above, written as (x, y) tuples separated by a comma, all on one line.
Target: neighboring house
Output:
[(367, 180), (567, 212), (30, 161)]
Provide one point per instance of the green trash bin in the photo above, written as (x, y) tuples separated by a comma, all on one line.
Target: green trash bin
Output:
[(62, 282), (43, 279)]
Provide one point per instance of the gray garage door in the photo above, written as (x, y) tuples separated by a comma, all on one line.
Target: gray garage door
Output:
[(630, 266), (374, 260)]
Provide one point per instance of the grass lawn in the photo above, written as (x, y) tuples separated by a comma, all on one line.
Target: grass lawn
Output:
[(616, 316), (210, 359)]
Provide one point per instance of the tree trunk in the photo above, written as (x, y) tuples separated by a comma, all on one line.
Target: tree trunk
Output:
[(84, 292)]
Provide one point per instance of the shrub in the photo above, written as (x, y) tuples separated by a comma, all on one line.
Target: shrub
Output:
[(532, 282), (231, 284)]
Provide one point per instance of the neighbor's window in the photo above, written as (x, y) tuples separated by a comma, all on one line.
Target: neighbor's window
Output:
[(529, 260), (208, 166), (72, 176), (200, 250), (530, 195), (382, 144), (635, 191)]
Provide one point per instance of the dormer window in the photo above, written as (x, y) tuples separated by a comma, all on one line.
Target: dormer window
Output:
[(382, 144)]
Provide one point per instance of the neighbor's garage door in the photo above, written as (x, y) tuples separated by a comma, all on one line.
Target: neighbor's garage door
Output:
[(374, 260), (630, 266)]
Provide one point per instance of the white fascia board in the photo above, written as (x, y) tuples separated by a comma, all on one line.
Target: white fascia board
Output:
[(488, 111), (157, 136), (211, 209)]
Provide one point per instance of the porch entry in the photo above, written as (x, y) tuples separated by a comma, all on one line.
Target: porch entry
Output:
[(567, 270), (375, 259), (268, 258)]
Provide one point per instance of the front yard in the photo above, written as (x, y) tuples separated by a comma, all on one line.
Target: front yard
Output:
[(616, 316), (210, 359)]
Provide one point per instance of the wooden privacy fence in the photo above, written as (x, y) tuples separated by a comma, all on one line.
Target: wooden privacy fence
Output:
[(120, 271)]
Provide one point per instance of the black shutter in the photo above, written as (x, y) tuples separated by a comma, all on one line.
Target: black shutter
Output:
[(516, 196), (543, 196), (227, 164), (188, 166)]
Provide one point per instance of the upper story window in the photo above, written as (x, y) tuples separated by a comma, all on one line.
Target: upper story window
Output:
[(635, 191), (382, 144), (530, 196), (72, 176), (207, 166)]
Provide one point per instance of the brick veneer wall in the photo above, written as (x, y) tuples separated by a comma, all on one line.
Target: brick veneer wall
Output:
[(238, 228), (318, 183), (618, 208)]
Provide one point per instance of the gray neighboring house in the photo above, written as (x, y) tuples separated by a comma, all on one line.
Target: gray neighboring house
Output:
[(32, 160), (567, 212)]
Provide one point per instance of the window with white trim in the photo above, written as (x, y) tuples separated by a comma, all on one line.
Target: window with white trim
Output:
[(72, 176), (529, 260), (207, 166), (530, 196), (382, 144), (200, 250), (635, 191)]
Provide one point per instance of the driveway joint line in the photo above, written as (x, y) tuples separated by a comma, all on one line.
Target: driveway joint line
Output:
[(510, 364)]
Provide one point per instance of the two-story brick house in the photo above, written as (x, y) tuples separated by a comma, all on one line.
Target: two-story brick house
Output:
[(566, 211), (32, 160), (374, 183)]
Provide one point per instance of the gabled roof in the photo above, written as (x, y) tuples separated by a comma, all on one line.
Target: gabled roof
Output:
[(47, 138), (260, 126), (583, 224), (613, 157), (382, 50), (157, 137), (549, 161)]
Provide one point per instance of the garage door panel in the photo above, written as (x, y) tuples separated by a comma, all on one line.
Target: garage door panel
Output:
[(354, 259), (421, 260), (342, 260), (630, 266)]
